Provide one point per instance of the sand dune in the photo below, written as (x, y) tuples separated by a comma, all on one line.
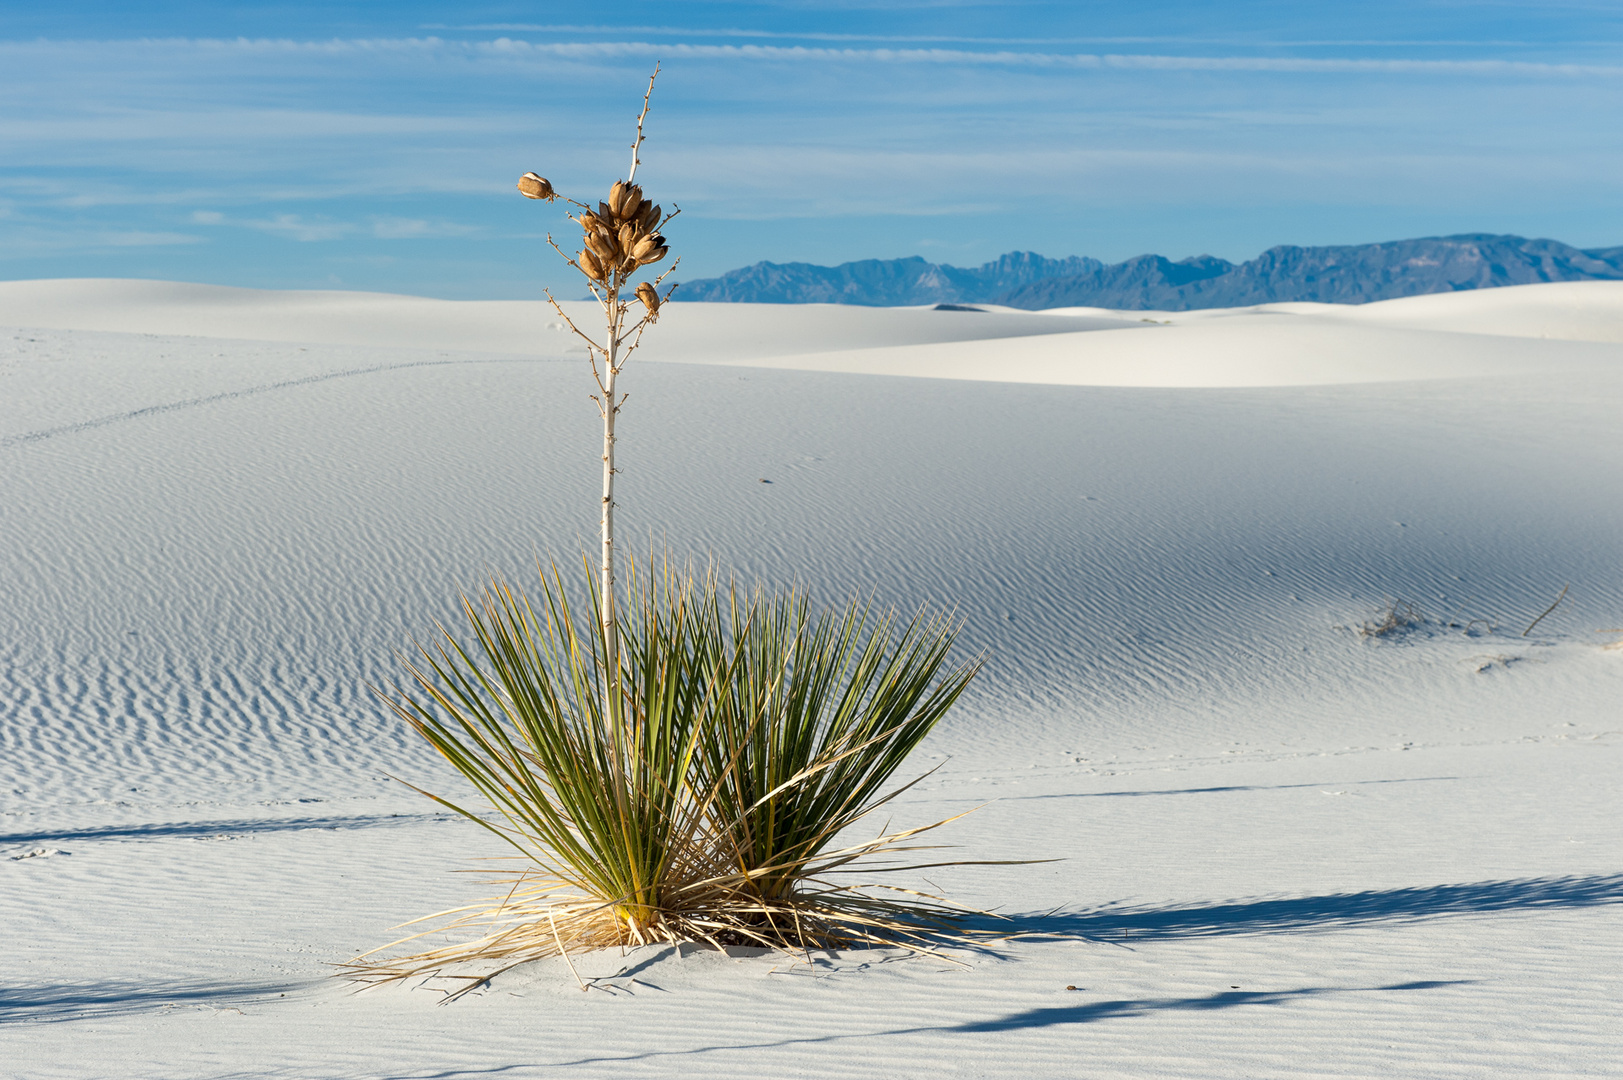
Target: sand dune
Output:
[(1261, 350), (1565, 311), (1525, 329), (688, 332), (1289, 848)]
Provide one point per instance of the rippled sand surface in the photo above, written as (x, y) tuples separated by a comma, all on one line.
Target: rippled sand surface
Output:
[(1289, 849)]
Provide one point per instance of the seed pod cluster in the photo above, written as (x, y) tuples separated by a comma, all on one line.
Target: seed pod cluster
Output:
[(620, 236)]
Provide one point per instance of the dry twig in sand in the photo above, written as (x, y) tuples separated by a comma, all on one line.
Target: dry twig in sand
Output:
[(1396, 617)]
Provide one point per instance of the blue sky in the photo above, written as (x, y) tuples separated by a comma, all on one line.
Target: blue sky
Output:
[(375, 146)]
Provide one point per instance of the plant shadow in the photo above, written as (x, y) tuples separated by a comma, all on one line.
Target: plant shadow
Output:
[(1094, 1011), (1086, 1012), (197, 829), (83, 1001), (1223, 790), (1332, 911)]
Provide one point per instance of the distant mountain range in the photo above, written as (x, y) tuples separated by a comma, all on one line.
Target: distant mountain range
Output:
[(1353, 274)]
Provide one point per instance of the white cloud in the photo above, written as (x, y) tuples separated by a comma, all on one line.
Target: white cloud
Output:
[(305, 230), (146, 239), (1253, 40), (122, 124), (295, 227), (255, 191), (505, 48), (1008, 58), (389, 228), (26, 240)]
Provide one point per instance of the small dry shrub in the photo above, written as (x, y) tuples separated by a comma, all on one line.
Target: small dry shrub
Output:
[(1392, 620)]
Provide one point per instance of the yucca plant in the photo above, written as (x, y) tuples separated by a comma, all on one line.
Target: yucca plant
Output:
[(672, 760), (706, 805), (598, 803), (816, 716)]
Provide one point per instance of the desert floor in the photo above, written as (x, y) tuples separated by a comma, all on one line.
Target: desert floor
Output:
[(1287, 848)]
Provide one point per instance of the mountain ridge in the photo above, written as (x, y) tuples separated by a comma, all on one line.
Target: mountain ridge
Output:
[(1344, 274)]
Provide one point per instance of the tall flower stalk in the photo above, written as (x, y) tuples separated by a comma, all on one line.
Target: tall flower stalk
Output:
[(620, 236)]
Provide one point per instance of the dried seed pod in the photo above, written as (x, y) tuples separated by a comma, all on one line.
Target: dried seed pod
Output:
[(650, 300), (648, 220), (589, 221), (604, 212), (603, 246), (628, 236), (617, 196), (631, 203), (532, 186), (646, 248), (590, 266)]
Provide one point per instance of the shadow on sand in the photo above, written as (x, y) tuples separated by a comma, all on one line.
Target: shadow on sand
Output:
[(1223, 790), (1332, 911), (1083, 1012), (1092, 1011), (83, 1001), (194, 829)]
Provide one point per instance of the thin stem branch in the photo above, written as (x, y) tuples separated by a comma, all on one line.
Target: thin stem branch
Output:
[(637, 145), (1547, 610), (643, 322), (591, 358), (590, 344), (562, 254)]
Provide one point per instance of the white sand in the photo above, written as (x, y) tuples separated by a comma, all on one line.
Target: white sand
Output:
[(1289, 851)]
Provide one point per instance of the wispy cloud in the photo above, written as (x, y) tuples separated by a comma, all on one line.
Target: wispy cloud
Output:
[(392, 228), (854, 134), (517, 48), (813, 183), (119, 123), (136, 238), (1075, 61), (308, 230), (297, 227), (1252, 40), (27, 240)]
